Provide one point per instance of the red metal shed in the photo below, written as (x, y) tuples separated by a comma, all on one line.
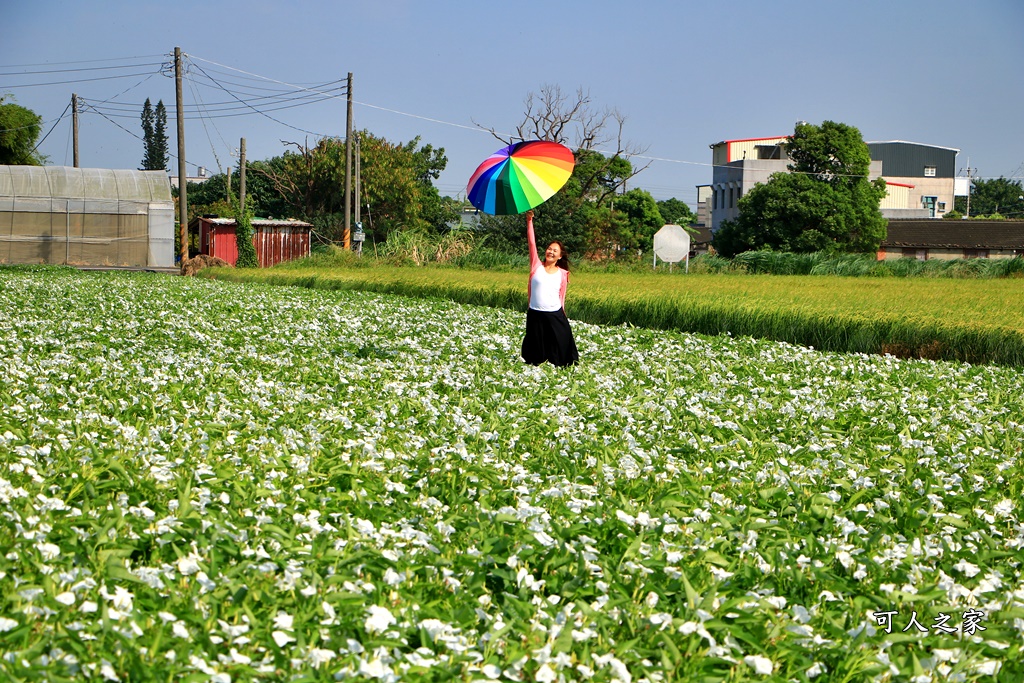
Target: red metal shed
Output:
[(275, 240)]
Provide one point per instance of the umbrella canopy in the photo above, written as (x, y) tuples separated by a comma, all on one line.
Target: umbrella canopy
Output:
[(519, 177)]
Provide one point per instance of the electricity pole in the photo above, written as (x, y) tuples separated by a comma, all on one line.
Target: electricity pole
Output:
[(241, 176), (347, 240), (970, 171), (182, 173), (74, 126)]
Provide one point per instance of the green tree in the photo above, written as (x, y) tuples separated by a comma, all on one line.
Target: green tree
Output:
[(643, 219), (19, 129), (994, 196), (825, 203), (677, 212), (154, 137)]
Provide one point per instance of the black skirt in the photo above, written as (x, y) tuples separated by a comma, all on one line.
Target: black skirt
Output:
[(549, 338)]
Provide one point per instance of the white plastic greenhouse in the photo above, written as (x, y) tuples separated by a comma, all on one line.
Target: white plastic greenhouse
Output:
[(86, 217)]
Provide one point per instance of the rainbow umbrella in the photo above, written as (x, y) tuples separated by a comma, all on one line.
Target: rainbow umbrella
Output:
[(519, 177)]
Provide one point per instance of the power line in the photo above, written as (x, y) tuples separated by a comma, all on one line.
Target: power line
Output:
[(8, 86), (89, 61), (64, 71), (52, 127), (301, 130)]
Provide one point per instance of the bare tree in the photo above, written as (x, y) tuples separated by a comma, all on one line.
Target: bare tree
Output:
[(572, 120)]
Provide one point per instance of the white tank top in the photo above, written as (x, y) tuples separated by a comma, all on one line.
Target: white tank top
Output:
[(544, 288)]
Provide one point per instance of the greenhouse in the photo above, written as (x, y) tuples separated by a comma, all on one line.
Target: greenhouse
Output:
[(86, 217)]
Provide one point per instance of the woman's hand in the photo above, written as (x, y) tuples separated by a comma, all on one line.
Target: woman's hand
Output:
[(529, 215)]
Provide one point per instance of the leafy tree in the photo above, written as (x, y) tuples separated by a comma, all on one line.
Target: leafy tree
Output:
[(154, 137), (19, 129), (677, 212), (994, 196), (397, 185), (826, 202), (643, 219)]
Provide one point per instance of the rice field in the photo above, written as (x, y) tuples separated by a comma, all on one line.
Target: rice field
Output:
[(202, 481), (979, 321)]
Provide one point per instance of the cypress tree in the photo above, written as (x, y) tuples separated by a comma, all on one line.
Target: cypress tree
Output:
[(147, 136), (160, 155)]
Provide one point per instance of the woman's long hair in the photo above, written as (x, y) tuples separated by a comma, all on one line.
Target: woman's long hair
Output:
[(563, 260)]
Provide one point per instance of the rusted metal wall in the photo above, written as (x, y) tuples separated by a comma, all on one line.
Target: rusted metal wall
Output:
[(273, 241), (275, 244)]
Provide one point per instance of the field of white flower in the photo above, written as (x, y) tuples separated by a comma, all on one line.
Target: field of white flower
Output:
[(210, 482)]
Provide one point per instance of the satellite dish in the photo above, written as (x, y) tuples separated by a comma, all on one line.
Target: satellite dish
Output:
[(672, 244)]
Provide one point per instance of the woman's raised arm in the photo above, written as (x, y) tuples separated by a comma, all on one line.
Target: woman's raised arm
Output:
[(531, 240)]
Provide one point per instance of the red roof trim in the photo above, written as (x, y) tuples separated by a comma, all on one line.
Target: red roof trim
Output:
[(728, 143), (899, 184)]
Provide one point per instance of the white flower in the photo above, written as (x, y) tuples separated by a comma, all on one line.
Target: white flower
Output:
[(65, 598), (492, 671), (7, 624), (815, 670), (49, 551), (88, 607), (379, 619), (122, 599), (545, 674), (319, 656), (373, 669), (760, 665), (966, 568), (180, 631), (393, 578), (1003, 508), (282, 638), (188, 565), (283, 620)]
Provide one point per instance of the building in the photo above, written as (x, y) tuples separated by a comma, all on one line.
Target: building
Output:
[(929, 170), (275, 240), (199, 177), (952, 239), (91, 217), (921, 177)]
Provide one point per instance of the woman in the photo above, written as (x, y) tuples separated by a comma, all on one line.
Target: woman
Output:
[(548, 336)]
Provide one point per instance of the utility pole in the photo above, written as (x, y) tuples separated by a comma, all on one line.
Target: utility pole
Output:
[(359, 181), (74, 126), (347, 240), (228, 184), (241, 176), (970, 172), (182, 173)]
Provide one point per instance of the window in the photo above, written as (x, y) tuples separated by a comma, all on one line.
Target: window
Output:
[(913, 252), (942, 207), (730, 198), (975, 253), (929, 171)]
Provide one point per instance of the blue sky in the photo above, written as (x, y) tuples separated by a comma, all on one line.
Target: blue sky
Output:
[(684, 74)]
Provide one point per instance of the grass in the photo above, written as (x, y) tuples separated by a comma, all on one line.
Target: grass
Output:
[(974, 320)]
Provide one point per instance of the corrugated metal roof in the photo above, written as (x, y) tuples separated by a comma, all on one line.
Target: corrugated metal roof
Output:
[(68, 182), (955, 234), (262, 222), (905, 142)]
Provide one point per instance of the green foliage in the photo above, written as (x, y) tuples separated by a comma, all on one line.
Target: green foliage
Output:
[(825, 204), (953, 215), (994, 196), (154, 137), (19, 129), (677, 212), (244, 237), (643, 219)]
